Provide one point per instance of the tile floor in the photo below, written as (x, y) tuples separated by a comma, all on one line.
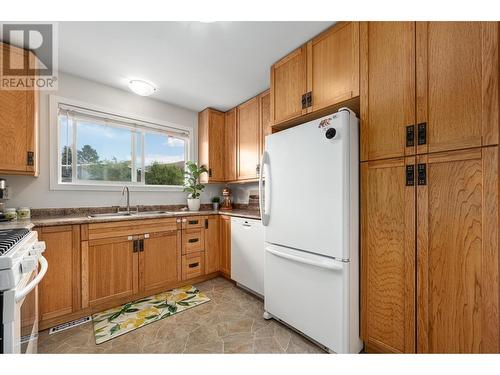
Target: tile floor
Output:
[(230, 323)]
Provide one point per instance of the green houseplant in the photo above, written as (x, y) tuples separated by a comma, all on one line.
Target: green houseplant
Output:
[(192, 184), (215, 203)]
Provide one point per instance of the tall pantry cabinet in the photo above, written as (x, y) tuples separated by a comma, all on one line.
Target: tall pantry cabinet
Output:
[(429, 99)]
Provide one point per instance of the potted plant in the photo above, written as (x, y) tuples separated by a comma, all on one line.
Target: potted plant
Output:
[(215, 203), (192, 184)]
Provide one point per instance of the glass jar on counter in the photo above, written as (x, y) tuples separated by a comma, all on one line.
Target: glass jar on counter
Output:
[(10, 214), (23, 213)]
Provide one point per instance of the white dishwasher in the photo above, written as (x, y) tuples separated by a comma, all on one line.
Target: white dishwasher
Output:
[(247, 254)]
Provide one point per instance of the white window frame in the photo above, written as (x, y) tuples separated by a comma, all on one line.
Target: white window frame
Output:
[(55, 146)]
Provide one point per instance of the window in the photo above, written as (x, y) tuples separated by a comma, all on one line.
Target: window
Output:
[(96, 148)]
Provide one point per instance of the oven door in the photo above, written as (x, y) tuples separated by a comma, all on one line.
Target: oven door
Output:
[(20, 308)]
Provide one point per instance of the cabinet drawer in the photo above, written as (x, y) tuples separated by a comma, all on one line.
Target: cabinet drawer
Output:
[(193, 222), (193, 240), (193, 265)]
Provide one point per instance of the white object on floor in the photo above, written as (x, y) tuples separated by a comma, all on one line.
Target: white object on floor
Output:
[(312, 248), (69, 325), (247, 254)]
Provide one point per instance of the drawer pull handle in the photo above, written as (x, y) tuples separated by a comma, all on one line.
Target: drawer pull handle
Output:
[(193, 240), (194, 265), (193, 222)]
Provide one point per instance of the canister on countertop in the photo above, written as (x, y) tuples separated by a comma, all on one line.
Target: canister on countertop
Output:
[(23, 213), (10, 214)]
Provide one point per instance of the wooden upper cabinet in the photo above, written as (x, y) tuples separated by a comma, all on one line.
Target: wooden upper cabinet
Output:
[(387, 256), (248, 125), (18, 122), (333, 65), (230, 147), (212, 244), (265, 118), (225, 245), (387, 70), (457, 84), (211, 144), (111, 270), (457, 253), (60, 289), (160, 261), (288, 84)]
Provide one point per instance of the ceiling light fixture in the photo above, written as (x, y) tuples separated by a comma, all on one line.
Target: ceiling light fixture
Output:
[(142, 88)]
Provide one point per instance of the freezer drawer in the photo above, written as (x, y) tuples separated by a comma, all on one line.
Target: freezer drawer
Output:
[(247, 253), (311, 293)]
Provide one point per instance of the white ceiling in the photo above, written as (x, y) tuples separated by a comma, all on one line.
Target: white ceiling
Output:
[(194, 65)]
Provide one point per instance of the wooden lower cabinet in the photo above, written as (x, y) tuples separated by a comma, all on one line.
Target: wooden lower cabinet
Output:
[(457, 253), (387, 256), (160, 261), (97, 266), (59, 291), (453, 246), (112, 268), (225, 245), (212, 244)]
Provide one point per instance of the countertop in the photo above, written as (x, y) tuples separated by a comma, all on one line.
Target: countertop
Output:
[(79, 219)]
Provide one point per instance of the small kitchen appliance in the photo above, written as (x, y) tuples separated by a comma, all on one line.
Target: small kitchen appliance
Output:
[(227, 204)]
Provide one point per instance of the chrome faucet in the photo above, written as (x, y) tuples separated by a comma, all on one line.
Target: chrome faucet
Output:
[(125, 188)]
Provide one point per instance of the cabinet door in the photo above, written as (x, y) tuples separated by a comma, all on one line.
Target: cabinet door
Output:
[(112, 270), (225, 244), (231, 147), (457, 253), (457, 84), (387, 256), (333, 65), (60, 289), (265, 118), (211, 132), (160, 261), (212, 244), (387, 69), (248, 139), (18, 122), (288, 84)]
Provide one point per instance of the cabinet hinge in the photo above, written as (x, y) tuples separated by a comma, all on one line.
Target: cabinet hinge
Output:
[(422, 174), (410, 135), (304, 101), (206, 223), (410, 175), (309, 99), (209, 172), (422, 133), (30, 159)]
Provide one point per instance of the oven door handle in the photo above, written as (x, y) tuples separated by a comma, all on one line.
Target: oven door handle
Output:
[(28, 288)]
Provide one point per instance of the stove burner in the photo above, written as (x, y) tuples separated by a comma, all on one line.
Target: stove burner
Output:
[(10, 237)]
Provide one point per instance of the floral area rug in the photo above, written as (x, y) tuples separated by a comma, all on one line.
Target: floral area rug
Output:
[(130, 316)]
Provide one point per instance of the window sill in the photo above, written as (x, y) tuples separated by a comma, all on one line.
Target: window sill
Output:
[(110, 187)]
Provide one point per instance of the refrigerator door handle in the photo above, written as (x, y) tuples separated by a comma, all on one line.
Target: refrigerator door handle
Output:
[(330, 264), (263, 215)]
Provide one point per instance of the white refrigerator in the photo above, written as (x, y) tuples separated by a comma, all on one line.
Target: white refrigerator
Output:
[(310, 189)]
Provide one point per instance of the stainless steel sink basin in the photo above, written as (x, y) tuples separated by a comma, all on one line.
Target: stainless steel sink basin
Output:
[(152, 213), (131, 213), (112, 214)]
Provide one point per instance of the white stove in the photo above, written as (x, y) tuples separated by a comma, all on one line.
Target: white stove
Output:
[(20, 255)]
